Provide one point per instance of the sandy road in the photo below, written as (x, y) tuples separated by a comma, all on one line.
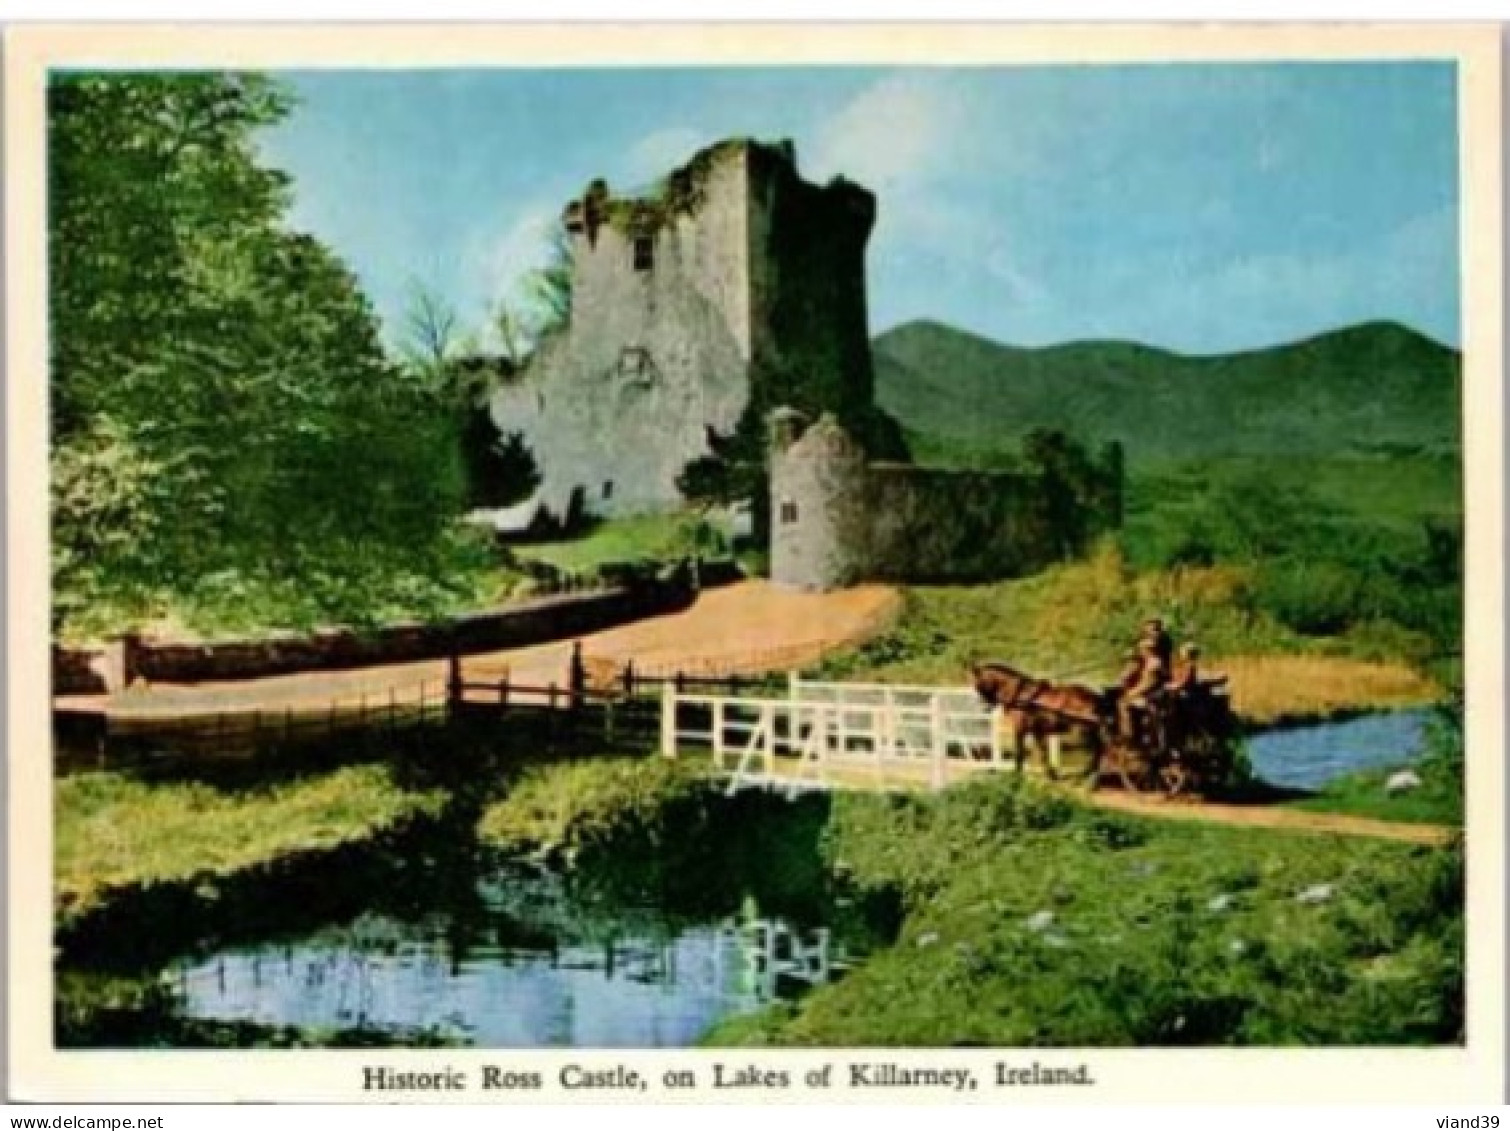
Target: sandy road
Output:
[(1271, 817), (747, 628)]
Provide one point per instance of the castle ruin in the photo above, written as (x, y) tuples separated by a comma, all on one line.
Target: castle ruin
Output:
[(839, 517), (730, 297), (733, 287)]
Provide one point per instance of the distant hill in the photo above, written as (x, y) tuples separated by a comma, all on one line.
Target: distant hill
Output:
[(1376, 387)]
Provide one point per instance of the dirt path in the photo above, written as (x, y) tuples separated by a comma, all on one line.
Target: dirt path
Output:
[(866, 779), (748, 628), (1271, 817)]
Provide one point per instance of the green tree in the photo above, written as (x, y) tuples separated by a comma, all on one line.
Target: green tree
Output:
[(733, 470), (1075, 493), (548, 289), (219, 388), (501, 469), (432, 333)]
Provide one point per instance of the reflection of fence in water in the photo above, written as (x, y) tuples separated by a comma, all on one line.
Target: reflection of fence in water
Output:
[(342, 984), (772, 951)]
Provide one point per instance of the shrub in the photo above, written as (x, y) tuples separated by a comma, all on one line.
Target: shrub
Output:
[(1313, 598)]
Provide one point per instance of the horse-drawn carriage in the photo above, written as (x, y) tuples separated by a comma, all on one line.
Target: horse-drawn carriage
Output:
[(1177, 742)]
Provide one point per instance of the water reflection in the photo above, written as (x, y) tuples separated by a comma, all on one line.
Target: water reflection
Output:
[(544, 969), (775, 954)]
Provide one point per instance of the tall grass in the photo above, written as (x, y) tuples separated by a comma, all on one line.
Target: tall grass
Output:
[(1076, 622), (113, 831), (1273, 689), (567, 806), (1073, 620)]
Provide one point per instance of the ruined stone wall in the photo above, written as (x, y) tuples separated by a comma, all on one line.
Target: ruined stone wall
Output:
[(932, 524), (620, 402), (756, 297), (838, 519), (810, 334), (538, 621)]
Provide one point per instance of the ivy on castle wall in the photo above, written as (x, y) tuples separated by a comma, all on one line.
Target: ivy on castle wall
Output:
[(682, 192)]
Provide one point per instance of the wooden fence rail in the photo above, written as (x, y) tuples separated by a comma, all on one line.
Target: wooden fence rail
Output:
[(91, 741)]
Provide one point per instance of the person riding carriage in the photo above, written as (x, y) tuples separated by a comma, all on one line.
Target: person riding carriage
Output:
[(1158, 639), (1154, 688), (1141, 699), (1162, 725)]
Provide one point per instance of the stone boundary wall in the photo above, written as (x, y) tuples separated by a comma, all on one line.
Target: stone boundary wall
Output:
[(933, 525), (540, 621)]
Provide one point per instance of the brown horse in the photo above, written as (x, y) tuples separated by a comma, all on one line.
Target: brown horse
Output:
[(1043, 711)]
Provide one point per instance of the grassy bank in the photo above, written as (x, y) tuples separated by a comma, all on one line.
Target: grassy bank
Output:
[(1032, 920), (564, 807), (1075, 621), (114, 832), (636, 538)]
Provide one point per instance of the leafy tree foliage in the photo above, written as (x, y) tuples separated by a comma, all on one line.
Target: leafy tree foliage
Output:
[(500, 467), (733, 470), (224, 421), (549, 288), (1080, 494)]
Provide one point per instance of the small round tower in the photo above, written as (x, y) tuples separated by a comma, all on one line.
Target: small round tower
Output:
[(818, 520)]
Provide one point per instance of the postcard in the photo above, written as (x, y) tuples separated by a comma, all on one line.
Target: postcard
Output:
[(755, 564)]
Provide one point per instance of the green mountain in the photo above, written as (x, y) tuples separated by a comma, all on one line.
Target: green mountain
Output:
[(1376, 388)]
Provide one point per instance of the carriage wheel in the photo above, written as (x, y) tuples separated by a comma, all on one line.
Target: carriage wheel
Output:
[(1174, 777), (1207, 764)]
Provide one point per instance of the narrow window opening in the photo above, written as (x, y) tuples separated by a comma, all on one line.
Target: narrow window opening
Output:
[(644, 253), (608, 488), (788, 512)]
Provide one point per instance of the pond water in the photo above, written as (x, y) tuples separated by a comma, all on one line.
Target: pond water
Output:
[(537, 974), (1307, 757), (491, 951)]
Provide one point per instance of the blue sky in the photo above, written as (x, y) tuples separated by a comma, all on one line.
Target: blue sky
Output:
[(1202, 208)]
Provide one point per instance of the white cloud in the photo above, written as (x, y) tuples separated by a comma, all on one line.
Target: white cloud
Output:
[(892, 134), (495, 260), (908, 138), (658, 153)]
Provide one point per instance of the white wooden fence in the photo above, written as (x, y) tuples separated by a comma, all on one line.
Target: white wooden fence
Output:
[(828, 735)]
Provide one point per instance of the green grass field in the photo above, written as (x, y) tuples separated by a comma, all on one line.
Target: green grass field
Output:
[(1075, 622), (564, 806), (1034, 921), (1363, 795)]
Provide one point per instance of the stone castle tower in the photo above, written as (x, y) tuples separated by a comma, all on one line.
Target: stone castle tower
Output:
[(734, 286)]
